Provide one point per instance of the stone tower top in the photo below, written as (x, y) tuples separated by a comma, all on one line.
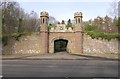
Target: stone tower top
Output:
[(44, 17), (44, 13), (77, 14)]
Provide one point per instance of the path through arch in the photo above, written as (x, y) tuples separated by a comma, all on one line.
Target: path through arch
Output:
[(60, 45)]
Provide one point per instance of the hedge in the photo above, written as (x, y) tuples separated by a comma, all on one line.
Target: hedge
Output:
[(103, 35)]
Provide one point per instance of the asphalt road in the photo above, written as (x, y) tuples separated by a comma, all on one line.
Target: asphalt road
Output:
[(60, 68)]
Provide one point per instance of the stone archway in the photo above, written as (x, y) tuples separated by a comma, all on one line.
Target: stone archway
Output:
[(60, 45), (52, 46)]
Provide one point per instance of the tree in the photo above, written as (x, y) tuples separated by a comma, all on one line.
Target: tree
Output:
[(15, 20), (99, 24), (33, 20), (113, 10), (10, 13), (114, 25), (69, 24), (10, 19), (63, 22), (52, 20), (118, 9), (90, 21), (28, 22), (108, 22), (118, 24)]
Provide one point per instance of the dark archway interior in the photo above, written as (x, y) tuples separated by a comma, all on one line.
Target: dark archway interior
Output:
[(60, 45)]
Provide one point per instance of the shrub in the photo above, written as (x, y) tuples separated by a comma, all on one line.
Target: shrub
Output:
[(5, 37), (103, 35), (89, 28), (4, 40)]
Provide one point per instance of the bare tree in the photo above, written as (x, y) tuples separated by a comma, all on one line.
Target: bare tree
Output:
[(15, 20), (119, 9), (108, 23), (113, 10), (10, 13), (52, 20)]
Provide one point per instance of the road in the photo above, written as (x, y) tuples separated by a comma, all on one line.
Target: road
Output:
[(60, 68)]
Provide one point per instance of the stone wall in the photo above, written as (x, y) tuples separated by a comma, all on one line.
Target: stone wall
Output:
[(29, 44), (99, 46), (9, 48)]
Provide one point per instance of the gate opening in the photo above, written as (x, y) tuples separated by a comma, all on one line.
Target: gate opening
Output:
[(60, 45)]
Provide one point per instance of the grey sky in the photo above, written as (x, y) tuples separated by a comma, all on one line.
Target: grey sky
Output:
[(66, 10)]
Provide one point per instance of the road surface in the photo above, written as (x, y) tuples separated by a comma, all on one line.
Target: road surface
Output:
[(60, 68)]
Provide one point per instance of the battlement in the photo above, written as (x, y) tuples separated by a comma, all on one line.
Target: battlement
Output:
[(44, 13), (77, 14), (61, 28)]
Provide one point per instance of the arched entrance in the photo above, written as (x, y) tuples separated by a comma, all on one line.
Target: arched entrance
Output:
[(60, 45)]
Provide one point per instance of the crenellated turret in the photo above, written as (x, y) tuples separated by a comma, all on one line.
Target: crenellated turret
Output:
[(78, 21), (44, 17)]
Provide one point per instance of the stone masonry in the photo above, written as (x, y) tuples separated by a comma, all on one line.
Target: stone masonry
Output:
[(99, 45)]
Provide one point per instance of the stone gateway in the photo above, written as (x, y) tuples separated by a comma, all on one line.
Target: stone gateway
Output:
[(59, 37)]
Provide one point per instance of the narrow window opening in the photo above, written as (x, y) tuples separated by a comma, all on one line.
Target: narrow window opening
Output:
[(43, 20), (79, 20)]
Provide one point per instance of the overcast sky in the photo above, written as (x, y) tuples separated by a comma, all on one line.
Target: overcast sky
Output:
[(63, 10)]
